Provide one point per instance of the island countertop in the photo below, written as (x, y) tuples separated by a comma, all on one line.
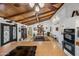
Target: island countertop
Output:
[(44, 48)]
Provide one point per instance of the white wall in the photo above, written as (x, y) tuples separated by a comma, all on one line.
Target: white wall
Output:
[(64, 19), (76, 25)]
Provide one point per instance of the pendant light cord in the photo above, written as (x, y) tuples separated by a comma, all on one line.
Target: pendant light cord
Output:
[(37, 16)]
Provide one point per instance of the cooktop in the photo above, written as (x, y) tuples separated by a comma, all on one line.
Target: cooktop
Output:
[(23, 51)]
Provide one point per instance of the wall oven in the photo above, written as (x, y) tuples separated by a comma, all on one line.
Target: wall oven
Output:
[(69, 41), (69, 47)]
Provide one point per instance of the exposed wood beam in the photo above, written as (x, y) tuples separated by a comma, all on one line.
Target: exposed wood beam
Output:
[(34, 16), (30, 19), (18, 14), (56, 5), (45, 18), (29, 14), (42, 19), (55, 11), (39, 19), (31, 22), (52, 7), (41, 16)]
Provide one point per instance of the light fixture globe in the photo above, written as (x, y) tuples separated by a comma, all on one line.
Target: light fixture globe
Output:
[(37, 9), (41, 5), (31, 5)]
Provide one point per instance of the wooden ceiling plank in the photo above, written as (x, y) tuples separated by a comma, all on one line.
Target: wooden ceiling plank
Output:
[(14, 16), (39, 19), (35, 19), (57, 5), (33, 16), (24, 14), (42, 19), (58, 8), (41, 16), (31, 22), (18, 14)]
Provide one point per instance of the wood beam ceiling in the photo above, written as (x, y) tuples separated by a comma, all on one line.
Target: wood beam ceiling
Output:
[(32, 15), (26, 15), (41, 19), (32, 18), (10, 10), (18, 14), (40, 16)]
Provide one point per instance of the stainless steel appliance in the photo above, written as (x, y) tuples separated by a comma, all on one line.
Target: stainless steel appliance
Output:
[(69, 41)]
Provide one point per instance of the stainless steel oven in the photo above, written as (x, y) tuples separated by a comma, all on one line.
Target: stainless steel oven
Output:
[(69, 35), (69, 47), (69, 41)]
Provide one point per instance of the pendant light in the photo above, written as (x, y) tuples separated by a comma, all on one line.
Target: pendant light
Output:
[(31, 5), (37, 7), (41, 5)]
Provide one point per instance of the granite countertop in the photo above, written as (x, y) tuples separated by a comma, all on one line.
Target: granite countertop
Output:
[(44, 48)]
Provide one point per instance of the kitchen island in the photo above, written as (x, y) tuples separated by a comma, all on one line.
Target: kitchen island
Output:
[(44, 48)]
